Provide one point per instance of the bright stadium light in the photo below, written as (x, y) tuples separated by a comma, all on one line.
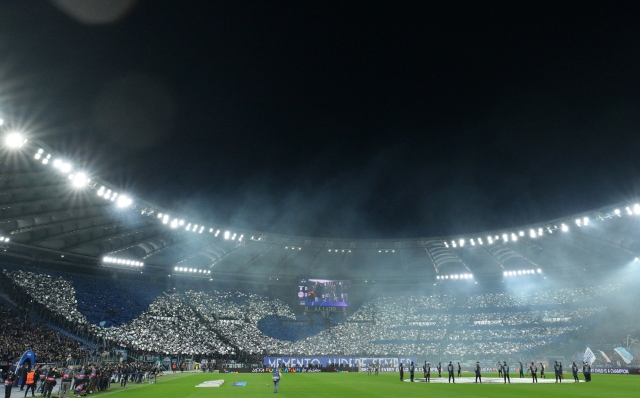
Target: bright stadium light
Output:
[(174, 223), (564, 227), (490, 239), (514, 237), (585, 221), (505, 237), (636, 209), (453, 243), (617, 212), (579, 222), (539, 271), (532, 233), (14, 140), (65, 167), (521, 233), (540, 231), (480, 241), (79, 180), (461, 242), (124, 201), (226, 235), (473, 243)]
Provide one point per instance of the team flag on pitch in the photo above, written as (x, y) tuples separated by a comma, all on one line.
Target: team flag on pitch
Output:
[(589, 356), (606, 358), (624, 354)]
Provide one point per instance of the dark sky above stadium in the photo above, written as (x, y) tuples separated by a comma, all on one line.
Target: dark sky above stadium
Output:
[(344, 119)]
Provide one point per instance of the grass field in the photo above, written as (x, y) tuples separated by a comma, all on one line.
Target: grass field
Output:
[(356, 385)]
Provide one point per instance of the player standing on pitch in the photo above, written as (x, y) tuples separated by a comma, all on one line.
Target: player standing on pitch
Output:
[(534, 371), (276, 375)]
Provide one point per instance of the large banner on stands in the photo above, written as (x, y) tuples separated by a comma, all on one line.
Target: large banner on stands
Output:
[(349, 362)]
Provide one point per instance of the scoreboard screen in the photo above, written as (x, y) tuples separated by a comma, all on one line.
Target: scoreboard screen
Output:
[(323, 292)]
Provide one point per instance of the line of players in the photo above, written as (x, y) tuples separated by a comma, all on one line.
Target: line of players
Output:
[(503, 371)]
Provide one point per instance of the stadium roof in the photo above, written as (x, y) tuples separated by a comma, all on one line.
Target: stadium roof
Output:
[(50, 211)]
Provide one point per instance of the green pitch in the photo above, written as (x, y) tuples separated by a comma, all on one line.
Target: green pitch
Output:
[(356, 385)]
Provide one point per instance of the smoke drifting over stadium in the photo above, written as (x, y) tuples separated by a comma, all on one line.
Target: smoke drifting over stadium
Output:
[(334, 120), (322, 187)]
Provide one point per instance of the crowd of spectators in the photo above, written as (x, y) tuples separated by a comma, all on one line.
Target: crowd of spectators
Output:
[(18, 335), (229, 323), (168, 326)]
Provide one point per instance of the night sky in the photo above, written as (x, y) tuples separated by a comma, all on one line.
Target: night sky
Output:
[(341, 119)]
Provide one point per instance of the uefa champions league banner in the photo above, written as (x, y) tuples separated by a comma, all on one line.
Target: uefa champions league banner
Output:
[(350, 362)]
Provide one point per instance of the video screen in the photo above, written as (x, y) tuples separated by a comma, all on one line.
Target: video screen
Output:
[(323, 293)]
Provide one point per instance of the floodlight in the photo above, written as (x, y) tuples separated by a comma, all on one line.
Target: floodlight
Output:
[(514, 237), (480, 241), (159, 215), (519, 272), (585, 221), (445, 244), (539, 271), (532, 233), (226, 235), (490, 239), (461, 242), (211, 230), (123, 201), (174, 224), (79, 180), (453, 243), (56, 163), (505, 237), (564, 227), (579, 222), (636, 209), (521, 233), (14, 140), (64, 167), (539, 231), (617, 212), (438, 277), (473, 243)]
